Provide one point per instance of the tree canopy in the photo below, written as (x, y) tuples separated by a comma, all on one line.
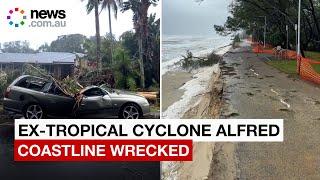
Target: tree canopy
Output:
[(249, 15), (68, 43), (17, 47)]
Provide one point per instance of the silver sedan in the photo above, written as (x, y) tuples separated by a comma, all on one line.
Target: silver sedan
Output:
[(38, 98)]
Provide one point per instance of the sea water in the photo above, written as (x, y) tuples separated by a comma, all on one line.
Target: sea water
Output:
[(175, 46)]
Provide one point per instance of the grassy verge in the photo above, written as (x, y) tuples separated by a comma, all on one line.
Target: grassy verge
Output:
[(313, 55), (289, 67), (316, 67), (286, 66)]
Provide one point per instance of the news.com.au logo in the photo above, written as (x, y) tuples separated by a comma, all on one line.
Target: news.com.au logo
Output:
[(19, 17)]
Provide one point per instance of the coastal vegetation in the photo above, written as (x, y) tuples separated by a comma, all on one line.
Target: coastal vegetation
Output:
[(147, 32), (133, 58), (236, 41), (250, 15), (190, 62)]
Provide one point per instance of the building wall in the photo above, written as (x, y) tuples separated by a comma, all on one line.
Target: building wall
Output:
[(62, 70), (59, 71)]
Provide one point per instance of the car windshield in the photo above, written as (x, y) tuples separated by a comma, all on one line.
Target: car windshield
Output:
[(94, 92), (108, 89)]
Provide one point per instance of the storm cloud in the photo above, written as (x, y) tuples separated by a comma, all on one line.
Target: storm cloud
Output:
[(187, 17)]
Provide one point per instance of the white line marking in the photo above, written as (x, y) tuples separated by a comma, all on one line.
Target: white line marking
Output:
[(272, 90), (252, 70), (285, 103), (281, 100)]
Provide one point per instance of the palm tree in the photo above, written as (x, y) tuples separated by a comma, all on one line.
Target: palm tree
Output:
[(94, 4), (111, 4), (153, 48), (140, 22)]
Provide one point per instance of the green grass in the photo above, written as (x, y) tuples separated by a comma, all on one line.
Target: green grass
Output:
[(289, 67), (316, 67), (154, 108), (313, 55)]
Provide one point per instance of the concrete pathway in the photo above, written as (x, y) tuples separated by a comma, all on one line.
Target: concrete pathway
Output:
[(257, 90)]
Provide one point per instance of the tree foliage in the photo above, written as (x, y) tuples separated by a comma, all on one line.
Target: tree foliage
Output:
[(94, 5), (140, 24), (125, 72), (68, 43), (129, 41), (249, 15), (17, 47)]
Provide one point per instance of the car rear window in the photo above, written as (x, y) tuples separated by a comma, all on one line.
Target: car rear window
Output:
[(32, 83)]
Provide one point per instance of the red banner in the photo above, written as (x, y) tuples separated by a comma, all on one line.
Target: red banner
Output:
[(103, 150)]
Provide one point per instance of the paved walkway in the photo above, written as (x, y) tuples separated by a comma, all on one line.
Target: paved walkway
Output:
[(257, 90)]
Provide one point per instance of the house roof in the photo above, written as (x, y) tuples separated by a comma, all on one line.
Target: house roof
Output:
[(42, 58)]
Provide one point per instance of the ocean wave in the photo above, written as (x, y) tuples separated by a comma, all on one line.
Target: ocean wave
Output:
[(172, 52)]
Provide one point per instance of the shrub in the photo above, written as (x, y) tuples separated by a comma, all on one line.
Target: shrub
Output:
[(236, 41), (131, 84), (125, 73), (3, 82), (190, 62)]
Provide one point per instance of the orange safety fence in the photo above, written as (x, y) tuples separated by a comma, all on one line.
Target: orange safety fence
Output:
[(291, 54), (284, 54), (305, 66)]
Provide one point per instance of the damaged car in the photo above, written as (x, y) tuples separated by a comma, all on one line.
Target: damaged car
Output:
[(38, 98)]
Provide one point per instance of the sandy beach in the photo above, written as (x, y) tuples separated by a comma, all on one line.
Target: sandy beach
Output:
[(192, 95), (202, 84), (171, 82), (181, 90)]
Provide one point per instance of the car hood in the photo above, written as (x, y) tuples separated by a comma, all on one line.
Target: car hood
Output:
[(124, 94)]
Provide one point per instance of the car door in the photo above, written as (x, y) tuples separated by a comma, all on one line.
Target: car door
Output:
[(53, 100), (58, 102), (59, 105), (96, 101)]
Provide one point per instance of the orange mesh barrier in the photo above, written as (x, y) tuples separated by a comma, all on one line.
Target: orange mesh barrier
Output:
[(284, 54), (269, 46), (291, 54), (258, 48), (268, 51), (305, 66), (307, 71)]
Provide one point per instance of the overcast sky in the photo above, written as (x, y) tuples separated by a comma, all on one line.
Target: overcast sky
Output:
[(186, 17), (77, 21)]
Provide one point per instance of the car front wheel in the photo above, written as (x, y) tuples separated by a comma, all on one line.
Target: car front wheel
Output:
[(33, 111), (130, 111)]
